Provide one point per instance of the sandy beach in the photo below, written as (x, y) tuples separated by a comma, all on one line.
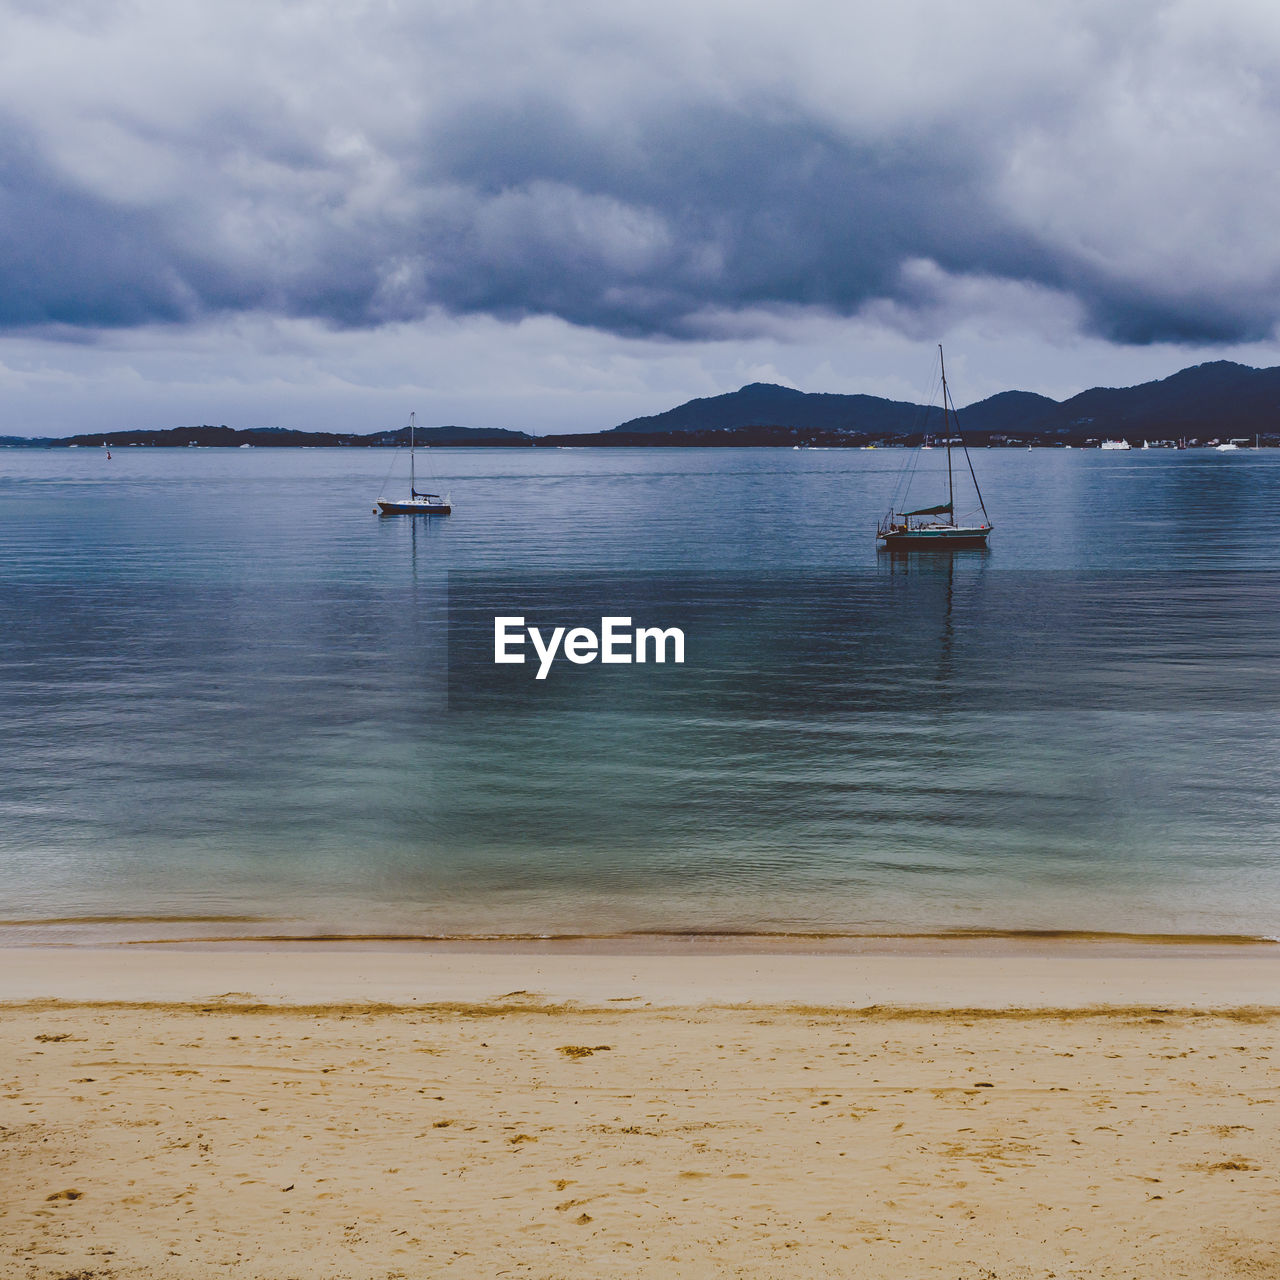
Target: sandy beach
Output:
[(331, 1112), (398, 1114)]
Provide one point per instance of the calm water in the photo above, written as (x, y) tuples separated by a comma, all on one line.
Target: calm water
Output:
[(225, 691)]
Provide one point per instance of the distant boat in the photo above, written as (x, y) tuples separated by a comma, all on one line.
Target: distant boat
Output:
[(935, 528), (1116, 444), (1230, 446), (416, 504)]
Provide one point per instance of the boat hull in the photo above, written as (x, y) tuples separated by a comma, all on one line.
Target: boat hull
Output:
[(934, 539), (402, 507)]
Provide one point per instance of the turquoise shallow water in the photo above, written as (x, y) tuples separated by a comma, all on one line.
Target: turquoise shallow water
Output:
[(225, 690)]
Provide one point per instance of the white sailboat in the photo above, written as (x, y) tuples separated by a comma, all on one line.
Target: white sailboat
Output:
[(936, 527), (417, 503)]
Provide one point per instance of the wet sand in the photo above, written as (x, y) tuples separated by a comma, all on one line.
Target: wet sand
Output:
[(302, 1112), (946, 973)]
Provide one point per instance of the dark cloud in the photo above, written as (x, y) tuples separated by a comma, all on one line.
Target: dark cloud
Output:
[(641, 204), (69, 258), (1140, 316)]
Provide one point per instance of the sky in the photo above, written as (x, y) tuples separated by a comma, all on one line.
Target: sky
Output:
[(561, 215)]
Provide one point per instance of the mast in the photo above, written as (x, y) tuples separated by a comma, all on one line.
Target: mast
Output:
[(946, 400), (951, 492), (412, 482)]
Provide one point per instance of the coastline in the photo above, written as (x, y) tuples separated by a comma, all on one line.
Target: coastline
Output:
[(244, 930), (939, 974)]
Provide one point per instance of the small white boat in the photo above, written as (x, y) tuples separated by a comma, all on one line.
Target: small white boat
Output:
[(417, 503), (1230, 446)]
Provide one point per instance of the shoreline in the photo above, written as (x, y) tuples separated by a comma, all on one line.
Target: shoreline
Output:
[(1081, 976), (239, 930)]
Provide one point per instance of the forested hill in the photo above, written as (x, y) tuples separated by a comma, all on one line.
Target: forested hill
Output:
[(1216, 399)]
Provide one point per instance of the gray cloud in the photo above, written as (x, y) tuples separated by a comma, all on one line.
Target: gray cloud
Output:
[(639, 169)]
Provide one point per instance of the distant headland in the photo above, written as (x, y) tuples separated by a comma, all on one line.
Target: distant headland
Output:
[(1200, 405)]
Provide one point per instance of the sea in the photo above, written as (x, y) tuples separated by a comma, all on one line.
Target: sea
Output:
[(234, 701)]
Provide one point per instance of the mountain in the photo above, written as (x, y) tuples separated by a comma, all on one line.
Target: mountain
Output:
[(1007, 411), (1214, 400), (763, 404)]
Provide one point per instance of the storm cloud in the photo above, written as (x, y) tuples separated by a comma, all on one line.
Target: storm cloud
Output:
[(640, 169)]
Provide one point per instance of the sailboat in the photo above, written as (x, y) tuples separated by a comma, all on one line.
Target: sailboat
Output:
[(416, 504), (936, 528)]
